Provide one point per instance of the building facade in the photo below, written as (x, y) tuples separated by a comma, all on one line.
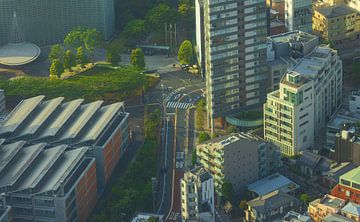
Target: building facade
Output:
[(310, 93), (336, 23), (5, 214), (47, 22), (347, 147), (197, 196), (348, 187), (298, 15), (234, 46), (239, 159), (354, 102)]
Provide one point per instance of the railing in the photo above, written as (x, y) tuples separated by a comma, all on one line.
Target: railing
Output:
[(244, 123)]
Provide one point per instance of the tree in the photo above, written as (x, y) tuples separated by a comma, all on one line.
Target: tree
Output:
[(227, 191), (113, 56), (203, 136), (91, 37), (232, 129), (81, 57), (56, 69), (56, 52), (135, 29), (193, 157), (242, 204), (69, 59), (74, 39), (137, 59), (161, 14), (305, 198), (186, 53)]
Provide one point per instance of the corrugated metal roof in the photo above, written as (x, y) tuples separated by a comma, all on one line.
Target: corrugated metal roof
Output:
[(104, 117), (19, 114), (8, 152), (65, 112), (87, 111), (44, 111)]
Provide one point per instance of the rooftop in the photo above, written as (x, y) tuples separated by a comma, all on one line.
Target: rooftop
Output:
[(201, 173), (293, 36), (16, 54), (336, 218), (55, 122), (351, 208), (352, 176), (272, 183), (329, 201), (296, 217), (337, 121), (335, 10)]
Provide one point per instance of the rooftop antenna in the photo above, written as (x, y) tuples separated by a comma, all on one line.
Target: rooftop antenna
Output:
[(16, 32)]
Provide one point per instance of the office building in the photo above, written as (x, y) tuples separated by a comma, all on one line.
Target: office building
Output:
[(348, 187), (347, 146), (336, 23), (239, 159), (234, 46), (5, 213), (52, 184), (271, 207), (197, 196), (341, 120), (102, 128), (322, 207), (298, 15), (45, 22), (354, 102), (310, 93), (284, 51)]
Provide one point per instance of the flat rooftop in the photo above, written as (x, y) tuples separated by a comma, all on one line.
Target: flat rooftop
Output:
[(336, 218), (352, 176), (272, 183), (334, 11), (339, 120), (16, 54), (298, 36), (55, 122)]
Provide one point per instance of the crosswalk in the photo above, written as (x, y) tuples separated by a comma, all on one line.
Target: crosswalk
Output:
[(178, 105)]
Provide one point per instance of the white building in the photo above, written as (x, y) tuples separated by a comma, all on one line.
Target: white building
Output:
[(309, 95), (197, 196), (298, 15), (354, 102)]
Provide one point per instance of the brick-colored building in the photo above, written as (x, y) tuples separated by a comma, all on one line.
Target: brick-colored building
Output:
[(348, 187), (322, 207)]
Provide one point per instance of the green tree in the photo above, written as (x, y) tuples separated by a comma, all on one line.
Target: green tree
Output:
[(232, 129), (186, 53), (81, 57), (242, 204), (91, 38), (113, 56), (56, 52), (161, 14), (137, 59), (74, 39), (194, 157), (69, 59), (153, 219), (56, 69), (135, 30), (227, 191), (305, 198), (203, 136)]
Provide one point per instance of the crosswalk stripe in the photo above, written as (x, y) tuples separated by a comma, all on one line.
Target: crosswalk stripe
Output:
[(178, 105)]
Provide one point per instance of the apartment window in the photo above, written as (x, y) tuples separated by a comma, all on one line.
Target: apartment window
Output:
[(345, 182)]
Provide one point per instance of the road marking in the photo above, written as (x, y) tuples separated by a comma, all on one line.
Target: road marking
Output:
[(178, 105)]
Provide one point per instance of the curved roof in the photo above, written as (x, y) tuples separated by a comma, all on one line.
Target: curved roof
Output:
[(15, 54)]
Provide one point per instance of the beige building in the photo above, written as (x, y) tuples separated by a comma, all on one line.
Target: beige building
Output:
[(309, 94), (336, 23), (239, 159), (322, 207)]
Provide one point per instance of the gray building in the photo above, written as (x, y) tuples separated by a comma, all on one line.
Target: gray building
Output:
[(234, 55), (45, 22), (239, 159), (298, 15), (284, 51), (5, 213)]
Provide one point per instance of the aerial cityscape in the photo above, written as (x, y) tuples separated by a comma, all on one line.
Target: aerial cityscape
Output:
[(180, 111)]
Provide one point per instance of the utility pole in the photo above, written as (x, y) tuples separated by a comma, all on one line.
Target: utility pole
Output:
[(166, 34), (175, 45), (154, 182)]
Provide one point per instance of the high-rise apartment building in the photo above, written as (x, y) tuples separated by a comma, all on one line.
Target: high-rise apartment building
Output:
[(239, 159), (309, 95), (298, 15), (45, 22), (197, 196), (234, 53)]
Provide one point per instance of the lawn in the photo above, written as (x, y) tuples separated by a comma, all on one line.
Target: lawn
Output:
[(98, 83)]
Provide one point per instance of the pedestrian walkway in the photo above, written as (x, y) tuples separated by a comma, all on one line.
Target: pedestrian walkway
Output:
[(178, 105)]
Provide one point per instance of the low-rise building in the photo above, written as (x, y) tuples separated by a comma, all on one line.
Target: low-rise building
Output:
[(271, 207), (310, 93), (336, 218), (336, 23), (272, 183), (239, 159), (352, 211), (197, 196), (312, 164), (354, 102), (322, 207), (285, 50), (296, 217), (348, 187)]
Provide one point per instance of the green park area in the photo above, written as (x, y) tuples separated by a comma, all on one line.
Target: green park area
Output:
[(98, 83)]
